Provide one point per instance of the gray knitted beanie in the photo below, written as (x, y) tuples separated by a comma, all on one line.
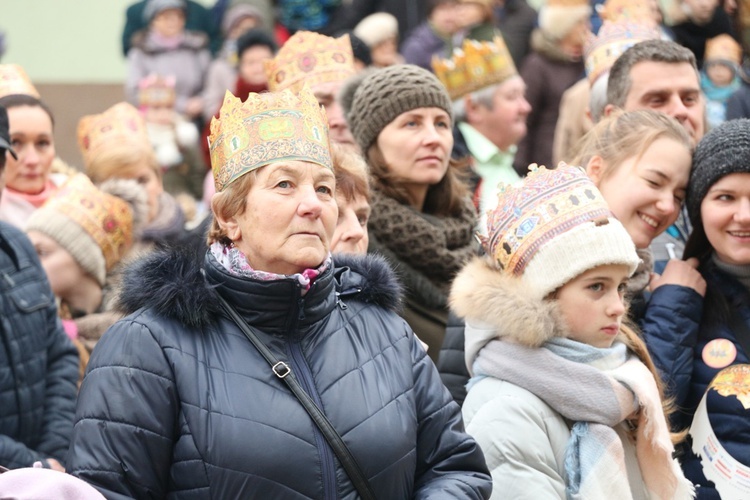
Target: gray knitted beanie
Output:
[(724, 150), (384, 94)]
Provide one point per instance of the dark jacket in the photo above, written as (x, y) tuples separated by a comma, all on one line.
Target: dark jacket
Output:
[(38, 363), (738, 105), (516, 20), (678, 354), (548, 73), (422, 44), (694, 36), (178, 402)]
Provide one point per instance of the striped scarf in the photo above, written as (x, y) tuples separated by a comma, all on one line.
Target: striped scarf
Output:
[(597, 389)]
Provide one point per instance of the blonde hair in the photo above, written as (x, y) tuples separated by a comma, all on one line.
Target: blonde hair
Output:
[(228, 203), (114, 160), (624, 135)]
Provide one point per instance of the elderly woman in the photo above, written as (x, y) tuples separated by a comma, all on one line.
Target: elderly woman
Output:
[(422, 218), (181, 399)]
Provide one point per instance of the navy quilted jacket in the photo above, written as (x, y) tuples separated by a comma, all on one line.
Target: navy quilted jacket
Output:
[(177, 403), (38, 363), (680, 358)]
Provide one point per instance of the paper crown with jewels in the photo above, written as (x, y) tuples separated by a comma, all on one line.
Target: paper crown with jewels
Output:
[(310, 58), (267, 127), (474, 66), (553, 226), (120, 123), (156, 90), (625, 23), (14, 80), (723, 48), (95, 227)]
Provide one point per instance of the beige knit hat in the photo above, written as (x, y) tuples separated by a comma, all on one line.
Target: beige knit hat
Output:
[(386, 93), (558, 17), (377, 28), (95, 225)]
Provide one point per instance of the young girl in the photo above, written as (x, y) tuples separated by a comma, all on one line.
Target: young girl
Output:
[(564, 400), (718, 203)]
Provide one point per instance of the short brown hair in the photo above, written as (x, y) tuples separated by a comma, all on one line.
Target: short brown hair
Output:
[(663, 51), (116, 158), (228, 203), (351, 173)]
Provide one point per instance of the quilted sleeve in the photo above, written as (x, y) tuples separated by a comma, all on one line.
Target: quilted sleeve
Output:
[(126, 416)]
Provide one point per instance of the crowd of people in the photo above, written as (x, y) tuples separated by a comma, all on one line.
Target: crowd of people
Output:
[(443, 249)]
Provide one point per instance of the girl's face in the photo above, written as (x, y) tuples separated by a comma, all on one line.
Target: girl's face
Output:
[(592, 305), (725, 212), (31, 139), (645, 193), (63, 272), (385, 53), (417, 145), (251, 64), (169, 22)]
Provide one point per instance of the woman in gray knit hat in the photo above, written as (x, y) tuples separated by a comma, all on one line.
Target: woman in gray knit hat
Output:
[(696, 360), (422, 219)]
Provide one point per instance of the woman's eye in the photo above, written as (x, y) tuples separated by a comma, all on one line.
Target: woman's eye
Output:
[(362, 220), (283, 184), (622, 288), (443, 124), (596, 287), (43, 144), (325, 190)]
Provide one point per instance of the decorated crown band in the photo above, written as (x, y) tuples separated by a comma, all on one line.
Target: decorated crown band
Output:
[(614, 38), (637, 11), (474, 66), (723, 48), (121, 122), (544, 205), (267, 127), (14, 80), (106, 218), (156, 90), (310, 58)]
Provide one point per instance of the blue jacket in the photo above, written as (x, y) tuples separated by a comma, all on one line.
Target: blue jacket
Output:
[(177, 402), (678, 354), (38, 363)]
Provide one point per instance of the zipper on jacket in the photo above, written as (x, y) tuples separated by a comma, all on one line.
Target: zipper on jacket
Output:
[(304, 375)]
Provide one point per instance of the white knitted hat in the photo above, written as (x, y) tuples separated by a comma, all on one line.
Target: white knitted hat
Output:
[(554, 226), (377, 28)]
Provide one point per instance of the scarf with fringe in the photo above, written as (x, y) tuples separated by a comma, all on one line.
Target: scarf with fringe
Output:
[(597, 389)]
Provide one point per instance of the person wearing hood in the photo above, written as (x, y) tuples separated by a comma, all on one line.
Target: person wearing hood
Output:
[(564, 399)]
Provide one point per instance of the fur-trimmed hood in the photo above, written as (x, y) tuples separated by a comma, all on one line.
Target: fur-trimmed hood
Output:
[(495, 305), (172, 283)]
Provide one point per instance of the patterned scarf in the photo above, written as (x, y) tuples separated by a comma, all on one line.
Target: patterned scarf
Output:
[(437, 247), (597, 389), (235, 262)]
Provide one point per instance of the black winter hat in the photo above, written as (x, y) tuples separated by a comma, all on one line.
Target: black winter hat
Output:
[(724, 150)]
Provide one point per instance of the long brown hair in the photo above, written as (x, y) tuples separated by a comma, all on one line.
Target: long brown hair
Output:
[(446, 198)]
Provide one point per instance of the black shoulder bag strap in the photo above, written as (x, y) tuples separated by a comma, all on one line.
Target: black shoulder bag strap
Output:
[(284, 372)]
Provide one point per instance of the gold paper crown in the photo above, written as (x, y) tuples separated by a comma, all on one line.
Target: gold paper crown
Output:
[(474, 66), (14, 80), (121, 122), (310, 58), (155, 90), (106, 218), (614, 38), (723, 48), (544, 205), (267, 127)]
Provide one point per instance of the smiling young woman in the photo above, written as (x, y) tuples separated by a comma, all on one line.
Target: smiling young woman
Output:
[(718, 202)]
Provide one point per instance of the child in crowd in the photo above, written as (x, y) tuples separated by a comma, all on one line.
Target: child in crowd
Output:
[(710, 359), (380, 32), (720, 76), (564, 399)]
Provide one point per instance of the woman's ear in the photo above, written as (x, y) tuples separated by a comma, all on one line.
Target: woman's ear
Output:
[(595, 169), (228, 224)]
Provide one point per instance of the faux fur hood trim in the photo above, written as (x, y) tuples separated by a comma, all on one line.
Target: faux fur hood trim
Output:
[(497, 306), (172, 283)]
